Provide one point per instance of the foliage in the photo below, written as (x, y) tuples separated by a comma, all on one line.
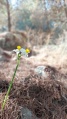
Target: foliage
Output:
[(40, 14), (23, 19)]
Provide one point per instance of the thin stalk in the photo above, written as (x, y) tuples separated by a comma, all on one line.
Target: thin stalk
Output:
[(11, 83)]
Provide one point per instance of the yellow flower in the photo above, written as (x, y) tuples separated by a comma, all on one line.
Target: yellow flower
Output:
[(27, 51), (18, 47)]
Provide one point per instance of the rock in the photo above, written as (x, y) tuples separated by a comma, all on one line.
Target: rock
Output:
[(46, 71), (5, 55), (27, 114), (40, 71), (9, 40)]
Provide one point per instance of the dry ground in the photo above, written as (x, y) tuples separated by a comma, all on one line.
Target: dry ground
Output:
[(45, 97)]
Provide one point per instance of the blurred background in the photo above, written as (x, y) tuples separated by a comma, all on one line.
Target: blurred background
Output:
[(44, 21)]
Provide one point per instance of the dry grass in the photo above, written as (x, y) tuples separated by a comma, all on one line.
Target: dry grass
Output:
[(45, 97), (51, 54)]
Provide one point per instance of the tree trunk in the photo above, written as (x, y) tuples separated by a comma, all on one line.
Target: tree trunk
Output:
[(8, 14)]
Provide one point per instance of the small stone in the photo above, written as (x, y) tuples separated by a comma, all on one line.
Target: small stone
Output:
[(27, 114)]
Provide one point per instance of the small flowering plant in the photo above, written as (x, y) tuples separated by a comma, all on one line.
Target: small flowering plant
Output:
[(22, 51), (19, 51)]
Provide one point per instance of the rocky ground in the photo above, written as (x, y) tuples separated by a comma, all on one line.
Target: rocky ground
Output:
[(39, 90), (40, 86)]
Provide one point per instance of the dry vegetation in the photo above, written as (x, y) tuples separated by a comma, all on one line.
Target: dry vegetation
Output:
[(46, 97), (35, 94)]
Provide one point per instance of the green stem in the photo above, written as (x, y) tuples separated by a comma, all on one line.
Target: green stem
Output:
[(11, 83)]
